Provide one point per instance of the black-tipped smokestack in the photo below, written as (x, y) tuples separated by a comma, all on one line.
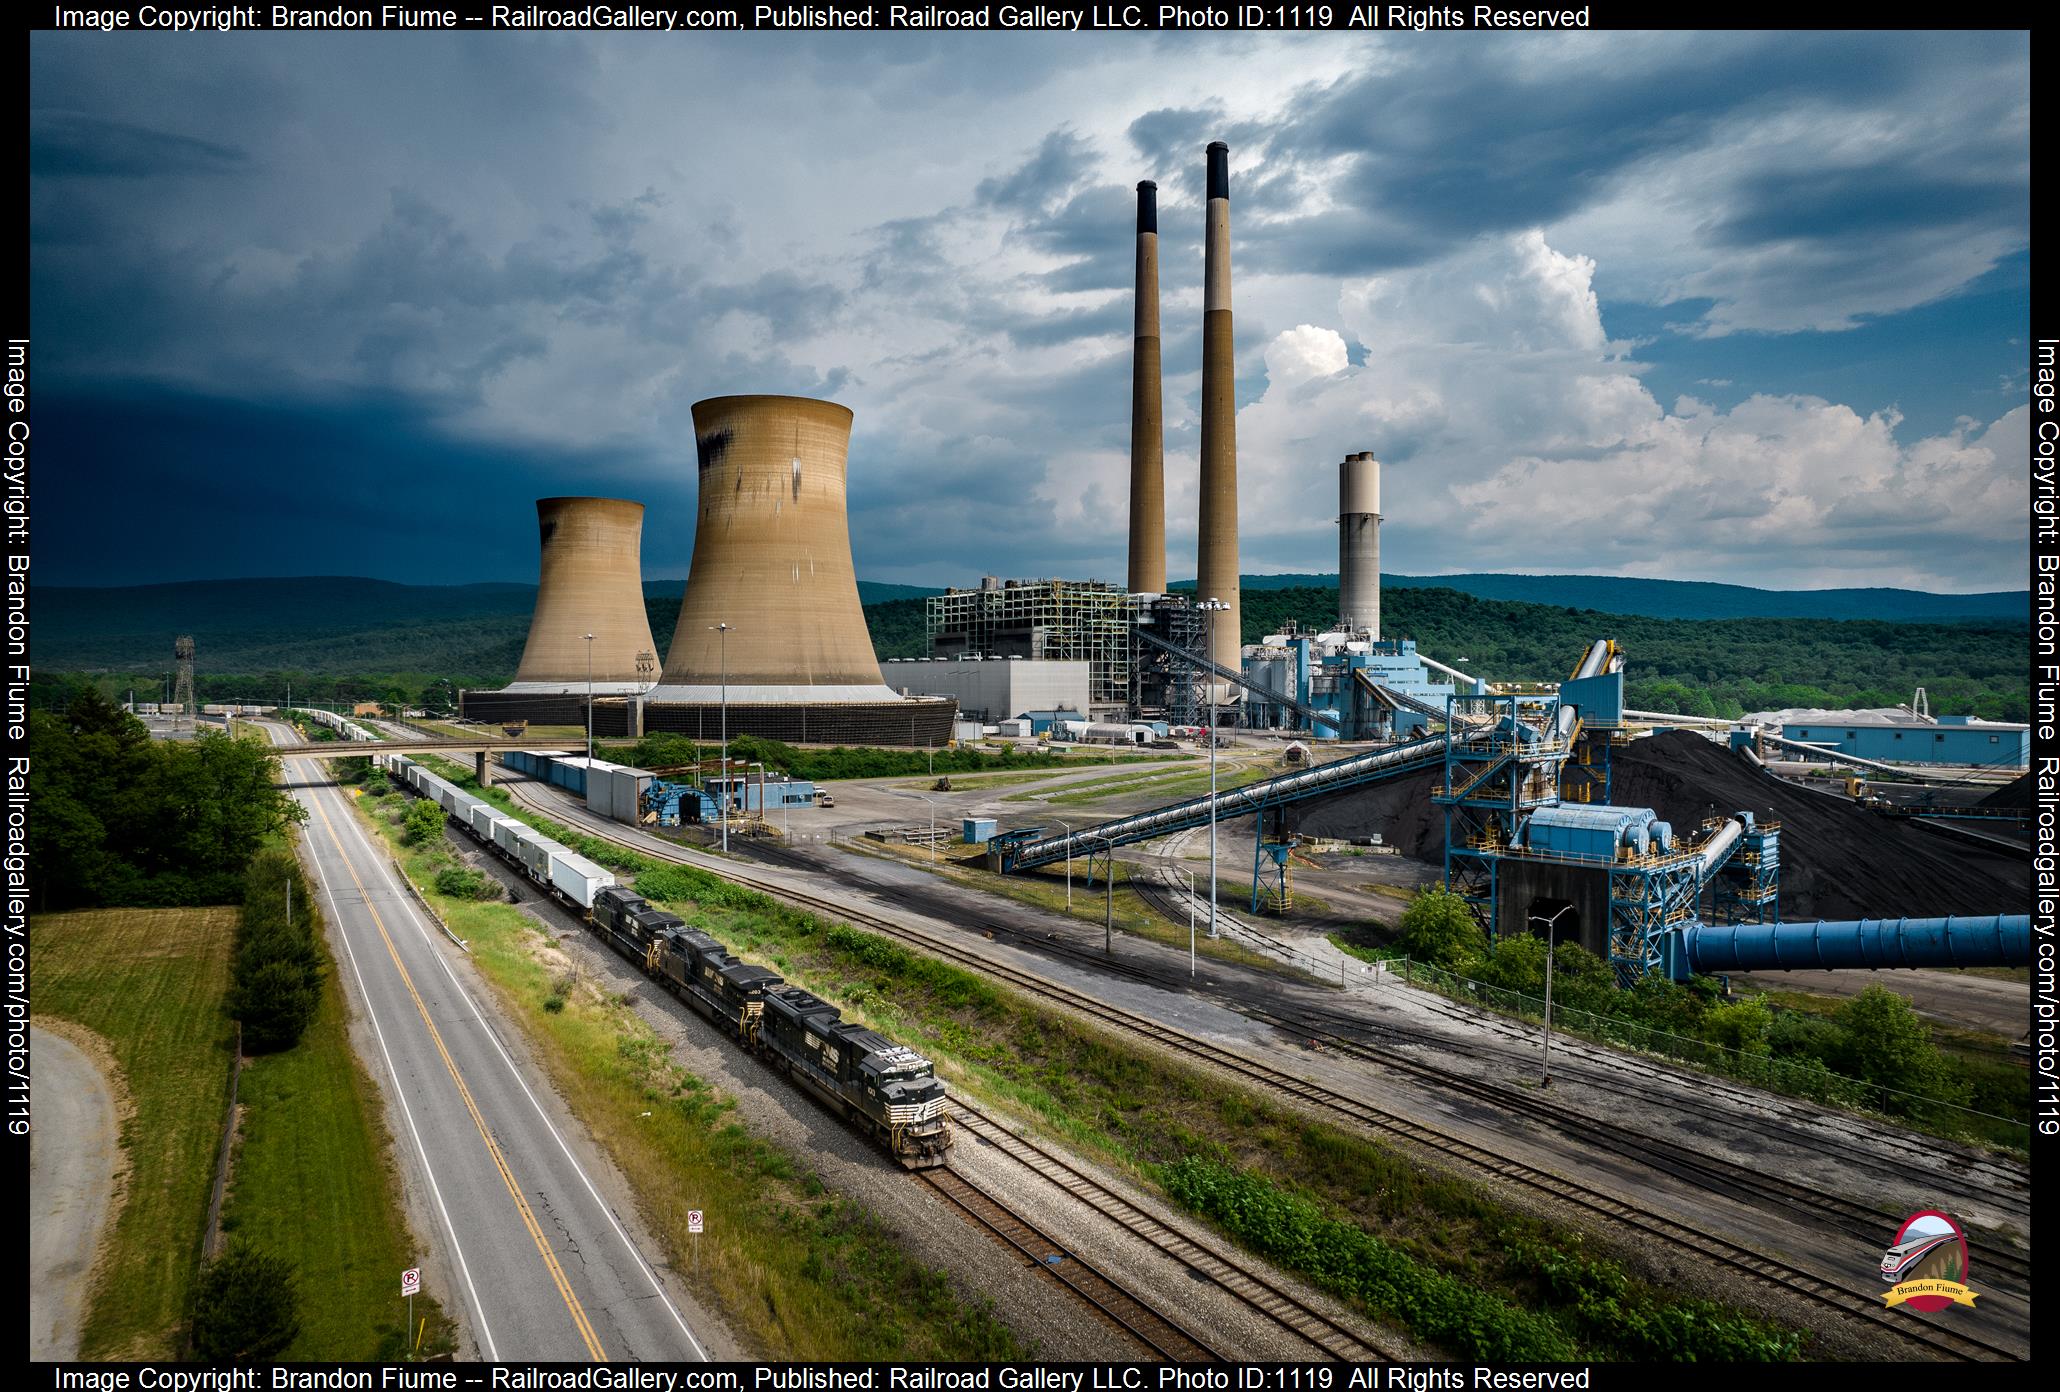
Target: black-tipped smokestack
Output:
[(1147, 427), (1216, 563)]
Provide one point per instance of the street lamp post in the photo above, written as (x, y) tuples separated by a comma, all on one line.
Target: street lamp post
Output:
[(1551, 929), (933, 825), (722, 636), (1210, 609), (590, 705)]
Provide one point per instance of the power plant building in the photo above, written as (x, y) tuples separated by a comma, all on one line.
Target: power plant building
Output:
[(589, 631), (772, 640), (991, 690)]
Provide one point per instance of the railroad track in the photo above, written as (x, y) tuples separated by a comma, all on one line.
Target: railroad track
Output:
[(1135, 1318), (1704, 1171), (1247, 1285), (1861, 1305)]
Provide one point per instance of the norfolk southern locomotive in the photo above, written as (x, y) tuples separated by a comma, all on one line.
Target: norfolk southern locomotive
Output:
[(884, 1088)]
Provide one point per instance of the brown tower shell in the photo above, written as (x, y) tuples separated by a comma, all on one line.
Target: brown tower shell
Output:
[(772, 556), (1147, 427), (590, 581)]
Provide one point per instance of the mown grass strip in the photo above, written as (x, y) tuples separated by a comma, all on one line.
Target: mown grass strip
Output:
[(314, 1182), (150, 982)]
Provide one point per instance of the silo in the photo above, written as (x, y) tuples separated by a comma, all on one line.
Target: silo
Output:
[(772, 563), (1359, 544), (1216, 570)]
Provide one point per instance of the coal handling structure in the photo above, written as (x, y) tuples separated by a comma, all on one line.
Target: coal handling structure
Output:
[(1532, 844), (772, 640)]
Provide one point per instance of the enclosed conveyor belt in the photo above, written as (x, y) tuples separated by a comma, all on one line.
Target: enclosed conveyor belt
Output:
[(1831, 753), (1264, 693), (1236, 802), (1396, 700), (1998, 940)]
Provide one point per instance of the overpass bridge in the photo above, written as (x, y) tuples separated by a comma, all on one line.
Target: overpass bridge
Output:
[(355, 749)]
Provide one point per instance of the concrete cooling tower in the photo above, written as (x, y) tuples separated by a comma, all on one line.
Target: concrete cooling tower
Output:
[(772, 561), (589, 580)]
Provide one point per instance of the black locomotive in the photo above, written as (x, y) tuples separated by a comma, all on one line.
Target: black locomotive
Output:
[(886, 1088)]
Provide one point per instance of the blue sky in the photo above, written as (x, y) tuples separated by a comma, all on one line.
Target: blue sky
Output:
[(1735, 307)]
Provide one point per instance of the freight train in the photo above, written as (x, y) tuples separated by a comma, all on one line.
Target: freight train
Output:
[(887, 1090)]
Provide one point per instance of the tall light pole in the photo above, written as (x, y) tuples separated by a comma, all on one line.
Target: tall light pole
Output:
[(590, 705), (1551, 928), (722, 638), (1210, 609), (933, 825)]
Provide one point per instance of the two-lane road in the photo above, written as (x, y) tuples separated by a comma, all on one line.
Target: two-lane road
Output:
[(542, 1265)]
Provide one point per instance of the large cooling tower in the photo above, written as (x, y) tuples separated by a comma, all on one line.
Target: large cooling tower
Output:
[(1216, 559), (590, 581), (1359, 544), (1147, 429), (772, 560)]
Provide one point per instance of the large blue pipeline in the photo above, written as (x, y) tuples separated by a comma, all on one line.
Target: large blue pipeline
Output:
[(1998, 940)]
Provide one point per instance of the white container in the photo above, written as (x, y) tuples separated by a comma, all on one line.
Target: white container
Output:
[(508, 834), (578, 878)]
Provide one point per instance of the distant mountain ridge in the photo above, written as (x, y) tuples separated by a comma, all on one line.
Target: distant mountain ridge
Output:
[(327, 623), (1690, 599)]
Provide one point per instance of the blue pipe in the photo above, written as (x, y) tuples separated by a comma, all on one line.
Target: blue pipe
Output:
[(1999, 940)]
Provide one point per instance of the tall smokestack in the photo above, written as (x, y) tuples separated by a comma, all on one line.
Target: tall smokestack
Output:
[(1147, 427), (590, 581), (1359, 544), (1216, 561)]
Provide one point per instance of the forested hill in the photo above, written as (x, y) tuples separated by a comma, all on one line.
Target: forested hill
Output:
[(1688, 599), (1720, 667), (260, 634)]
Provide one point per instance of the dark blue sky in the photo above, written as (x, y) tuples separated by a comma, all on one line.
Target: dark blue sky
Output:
[(1711, 306)]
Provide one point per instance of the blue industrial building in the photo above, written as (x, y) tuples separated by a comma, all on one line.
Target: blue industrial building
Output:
[(1953, 739), (1379, 688)]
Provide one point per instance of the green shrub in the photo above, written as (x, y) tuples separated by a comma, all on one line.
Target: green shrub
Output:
[(421, 822), (461, 883), (1439, 927), (246, 1305), (275, 980)]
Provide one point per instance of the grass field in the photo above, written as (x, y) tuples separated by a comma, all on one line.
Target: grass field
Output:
[(150, 981), (801, 1273), (315, 1183)]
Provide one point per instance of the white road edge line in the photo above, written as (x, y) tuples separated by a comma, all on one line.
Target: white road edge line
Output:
[(400, 1096), (386, 873)]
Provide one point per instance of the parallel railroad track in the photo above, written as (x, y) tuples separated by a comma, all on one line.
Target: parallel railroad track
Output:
[(1135, 1318), (1861, 1305), (1241, 1281), (1706, 1172)]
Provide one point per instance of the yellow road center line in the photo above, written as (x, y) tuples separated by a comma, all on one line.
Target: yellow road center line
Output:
[(536, 1232)]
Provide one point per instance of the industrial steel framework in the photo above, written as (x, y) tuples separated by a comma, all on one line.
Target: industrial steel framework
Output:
[(1648, 896), (1589, 776), (1747, 887), (1502, 760), (1059, 620), (1170, 637)]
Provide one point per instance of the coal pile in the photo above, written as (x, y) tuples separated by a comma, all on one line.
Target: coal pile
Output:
[(2017, 794), (1837, 861)]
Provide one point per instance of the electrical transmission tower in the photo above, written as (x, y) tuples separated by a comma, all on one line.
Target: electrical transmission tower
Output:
[(182, 691)]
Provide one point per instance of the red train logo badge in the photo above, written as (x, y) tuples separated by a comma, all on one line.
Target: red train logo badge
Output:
[(1926, 1266)]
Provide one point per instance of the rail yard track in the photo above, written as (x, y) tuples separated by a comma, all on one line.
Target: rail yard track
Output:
[(1133, 1316), (1863, 1306), (1241, 1281)]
